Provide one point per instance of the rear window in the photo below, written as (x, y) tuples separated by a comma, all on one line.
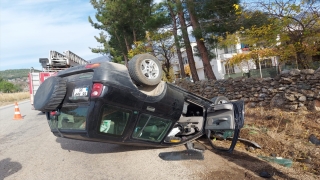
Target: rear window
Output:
[(73, 117)]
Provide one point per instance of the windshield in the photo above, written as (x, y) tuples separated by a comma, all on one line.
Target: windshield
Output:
[(73, 117)]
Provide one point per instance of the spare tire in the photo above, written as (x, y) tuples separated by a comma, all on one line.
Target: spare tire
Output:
[(145, 69), (50, 94)]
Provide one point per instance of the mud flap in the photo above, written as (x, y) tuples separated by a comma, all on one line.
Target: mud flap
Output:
[(223, 118)]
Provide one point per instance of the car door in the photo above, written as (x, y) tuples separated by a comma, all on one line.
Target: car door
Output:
[(220, 117), (226, 116), (224, 121)]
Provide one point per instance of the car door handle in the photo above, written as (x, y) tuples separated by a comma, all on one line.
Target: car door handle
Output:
[(218, 121)]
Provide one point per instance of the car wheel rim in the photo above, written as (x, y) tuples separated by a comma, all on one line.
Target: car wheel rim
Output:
[(149, 69), (222, 101)]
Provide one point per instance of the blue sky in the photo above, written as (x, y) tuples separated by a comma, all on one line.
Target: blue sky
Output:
[(29, 29)]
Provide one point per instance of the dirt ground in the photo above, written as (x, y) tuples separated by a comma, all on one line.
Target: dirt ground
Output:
[(280, 134)]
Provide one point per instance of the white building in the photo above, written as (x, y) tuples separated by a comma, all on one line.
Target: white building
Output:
[(220, 68)]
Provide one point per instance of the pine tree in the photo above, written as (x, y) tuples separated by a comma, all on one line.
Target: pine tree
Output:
[(186, 40), (200, 41)]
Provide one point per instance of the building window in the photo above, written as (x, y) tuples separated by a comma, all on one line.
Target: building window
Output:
[(195, 49), (245, 47), (266, 63), (226, 50), (185, 60), (229, 69)]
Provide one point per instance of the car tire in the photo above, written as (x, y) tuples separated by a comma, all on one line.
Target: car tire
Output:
[(145, 69), (220, 100), (50, 94)]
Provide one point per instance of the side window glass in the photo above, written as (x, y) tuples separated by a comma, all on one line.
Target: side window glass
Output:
[(151, 128), (113, 121)]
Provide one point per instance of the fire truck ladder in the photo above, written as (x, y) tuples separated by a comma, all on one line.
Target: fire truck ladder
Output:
[(58, 61), (75, 58)]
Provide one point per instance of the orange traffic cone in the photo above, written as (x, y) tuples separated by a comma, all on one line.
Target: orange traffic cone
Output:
[(17, 115)]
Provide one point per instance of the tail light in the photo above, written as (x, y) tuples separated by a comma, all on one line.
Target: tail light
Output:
[(90, 66), (54, 113), (96, 89)]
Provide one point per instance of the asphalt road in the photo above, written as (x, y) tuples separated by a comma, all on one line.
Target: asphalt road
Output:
[(28, 150)]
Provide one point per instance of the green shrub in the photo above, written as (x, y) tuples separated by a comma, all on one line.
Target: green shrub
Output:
[(7, 87)]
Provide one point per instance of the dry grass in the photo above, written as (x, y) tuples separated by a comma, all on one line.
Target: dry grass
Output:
[(285, 134), (10, 98)]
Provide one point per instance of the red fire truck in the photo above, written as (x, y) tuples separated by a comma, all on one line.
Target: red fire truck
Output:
[(56, 62)]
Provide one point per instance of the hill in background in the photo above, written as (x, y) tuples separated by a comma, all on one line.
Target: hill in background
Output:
[(18, 77), (14, 73)]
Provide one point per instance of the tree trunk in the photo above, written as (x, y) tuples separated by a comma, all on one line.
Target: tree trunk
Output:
[(127, 44), (176, 42), (303, 61), (125, 59), (150, 45), (134, 36), (123, 53), (200, 43), (185, 36), (166, 70), (260, 69)]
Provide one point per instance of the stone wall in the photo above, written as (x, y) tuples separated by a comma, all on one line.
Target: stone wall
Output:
[(291, 90)]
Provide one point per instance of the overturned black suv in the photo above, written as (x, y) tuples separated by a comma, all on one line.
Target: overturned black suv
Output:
[(109, 102)]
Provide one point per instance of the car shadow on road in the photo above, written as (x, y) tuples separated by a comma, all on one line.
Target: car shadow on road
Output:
[(96, 147), (8, 167), (248, 162), (252, 164)]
